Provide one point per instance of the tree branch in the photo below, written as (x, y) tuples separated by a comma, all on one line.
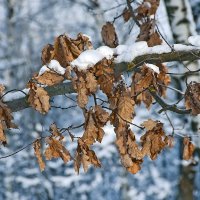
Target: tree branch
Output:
[(155, 58), (64, 88), (22, 103)]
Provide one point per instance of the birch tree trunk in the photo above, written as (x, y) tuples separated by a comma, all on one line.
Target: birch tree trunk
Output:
[(183, 26)]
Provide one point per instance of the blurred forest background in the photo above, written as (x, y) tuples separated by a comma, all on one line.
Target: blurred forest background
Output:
[(25, 27)]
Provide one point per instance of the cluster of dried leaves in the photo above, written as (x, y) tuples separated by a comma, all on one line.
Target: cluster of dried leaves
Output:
[(121, 99), (5, 118)]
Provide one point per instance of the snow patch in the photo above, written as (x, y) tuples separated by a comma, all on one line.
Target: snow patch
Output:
[(89, 37), (87, 59), (54, 65), (107, 52), (28, 182), (65, 181), (153, 67), (124, 53), (194, 40), (16, 95)]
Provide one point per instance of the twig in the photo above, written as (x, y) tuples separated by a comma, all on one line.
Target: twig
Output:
[(66, 108), (132, 12), (62, 130), (140, 127), (172, 88), (172, 48), (166, 106), (14, 90), (19, 150), (185, 73), (170, 122)]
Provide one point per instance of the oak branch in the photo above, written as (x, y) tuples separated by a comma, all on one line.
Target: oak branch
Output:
[(155, 58)]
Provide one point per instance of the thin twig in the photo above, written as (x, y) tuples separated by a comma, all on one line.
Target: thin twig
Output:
[(62, 130), (63, 108), (140, 127), (172, 88), (132, 12), (21, 149), (14, 90)]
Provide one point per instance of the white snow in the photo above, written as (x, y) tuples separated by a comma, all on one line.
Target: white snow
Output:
[(54, 65), (124, 53), (153, 67), (27, 182), (90, 57), (127, 53), (194, 40), (161, 184), (89, 37), (147, 4), (15, 95), (65, 181), (87, 59), (106, 51), (43, 69)]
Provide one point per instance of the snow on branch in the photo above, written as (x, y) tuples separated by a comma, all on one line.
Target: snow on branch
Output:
[(126, 58)]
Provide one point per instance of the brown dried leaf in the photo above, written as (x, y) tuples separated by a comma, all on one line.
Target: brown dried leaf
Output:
[(125, 107), (126, 14), (37, 147), (147, 78), (85, 84), (77, 160), (131, 155), (49, 78), (6, 116), (82, 98), (154, 40), (149, 124), (146, 29), (91, 131), (56, 150), (62, 50), (91, 82), (47, 54), (109, 35), (93, 128), (105, 76), (2, 88), (153, 140), (133, 149), (67, 49), (135, 167), (101, 115), (147, 8), (85, 156), (192, 97), (169, 141), (38, 98), (55, 132), (5, 121), (188, 148), (2, 135)]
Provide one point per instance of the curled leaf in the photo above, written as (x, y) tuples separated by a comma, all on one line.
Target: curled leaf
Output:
[(37, 149), (188, 148), (38, 98), (5, 122), (192, 97), (109, 35)]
